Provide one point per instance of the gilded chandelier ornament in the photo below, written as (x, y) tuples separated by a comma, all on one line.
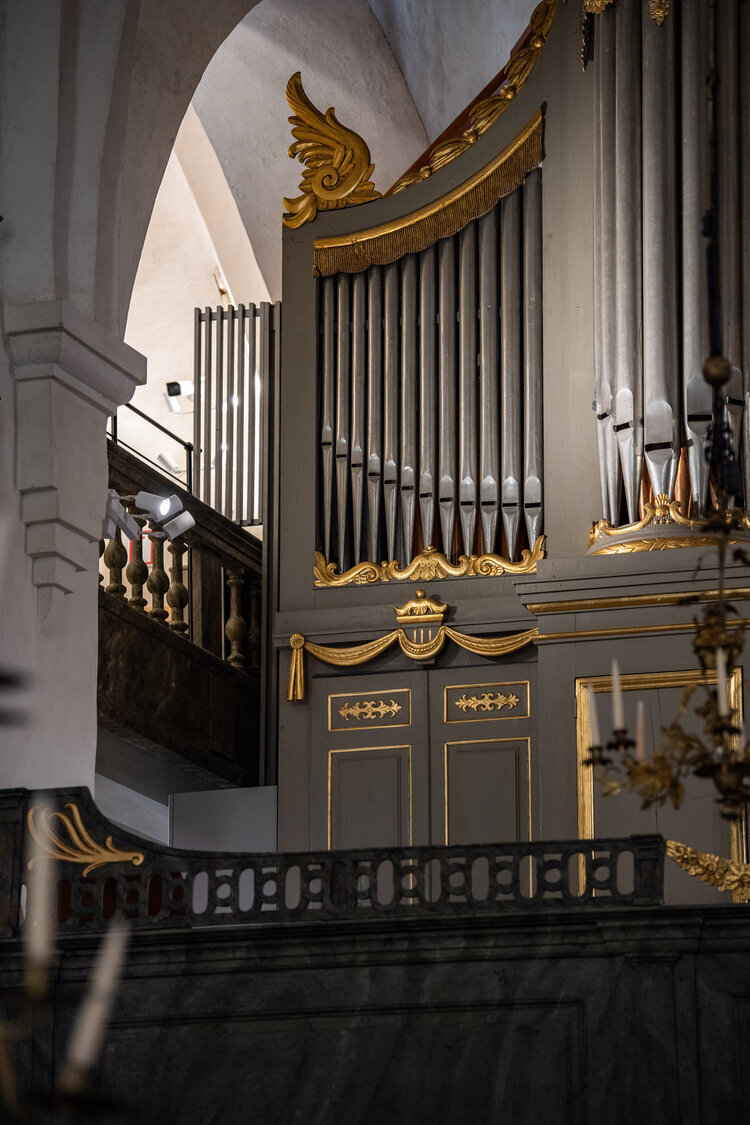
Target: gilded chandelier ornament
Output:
[(716, 871), (338, 160), (429, 566), (78, 847)]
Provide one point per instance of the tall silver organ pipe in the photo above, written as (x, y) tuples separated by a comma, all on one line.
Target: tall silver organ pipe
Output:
[(686, 80), (431, 391), (628, 369)]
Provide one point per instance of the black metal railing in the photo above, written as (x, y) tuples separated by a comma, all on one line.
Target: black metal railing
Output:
[(187, 446), (107, 874)]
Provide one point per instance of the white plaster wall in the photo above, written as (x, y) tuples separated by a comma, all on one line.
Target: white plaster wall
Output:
[(345, 62), (448, 50)]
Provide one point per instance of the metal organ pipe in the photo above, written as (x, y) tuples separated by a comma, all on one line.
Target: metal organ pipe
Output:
[(447, 391), (533, 447), (374, 407), (408, 473), (427, 392), (359, 373), (467, 384), (489, 372), (328, 407), (510, 361), (390, 401), (661, 417)]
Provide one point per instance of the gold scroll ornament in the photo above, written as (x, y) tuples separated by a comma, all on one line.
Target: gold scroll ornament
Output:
[(488, 701), (338, 160), (658, 9), (604, 539), (419, 611), (77, 845), (486, 113), (428, 566), (369, 709)]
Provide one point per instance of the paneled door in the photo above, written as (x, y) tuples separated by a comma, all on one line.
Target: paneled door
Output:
[(429, 756)]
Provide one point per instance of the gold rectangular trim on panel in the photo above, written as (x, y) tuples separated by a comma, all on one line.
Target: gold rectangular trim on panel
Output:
[(484, 742), (486, 718), (362, 750), (637, 681), (625, 631), (379, 695), (634, 601)]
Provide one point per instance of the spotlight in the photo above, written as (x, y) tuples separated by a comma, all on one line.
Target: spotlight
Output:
[(179, 524), (158, 508)]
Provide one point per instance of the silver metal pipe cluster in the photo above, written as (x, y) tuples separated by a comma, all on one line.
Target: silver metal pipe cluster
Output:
[(431, 388), (654, 136)]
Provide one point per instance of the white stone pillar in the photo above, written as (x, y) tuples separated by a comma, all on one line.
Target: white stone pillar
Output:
[(68, 375)]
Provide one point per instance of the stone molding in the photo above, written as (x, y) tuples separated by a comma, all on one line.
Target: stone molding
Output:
[(69, 375)]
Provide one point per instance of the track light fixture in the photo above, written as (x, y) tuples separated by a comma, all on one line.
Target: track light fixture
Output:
[(164, 513)]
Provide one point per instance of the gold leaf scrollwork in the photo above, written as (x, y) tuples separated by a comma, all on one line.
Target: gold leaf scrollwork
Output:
[(429, 566), (724, 874), (604, 539), (77, 845), (369, 709), (338, 160), (485, 113), (488, 701), (657, 9)]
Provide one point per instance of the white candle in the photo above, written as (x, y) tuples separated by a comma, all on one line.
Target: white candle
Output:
[(88, 1032), (618, 712), (596, 738), (721, 682), (640, 731), (40, 892)]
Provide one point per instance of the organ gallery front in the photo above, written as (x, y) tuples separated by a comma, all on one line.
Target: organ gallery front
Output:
[(490, 437)]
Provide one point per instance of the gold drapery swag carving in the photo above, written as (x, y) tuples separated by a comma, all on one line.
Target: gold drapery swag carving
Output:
[(338, 160), (79, 847), (428, 566), (485, 113), (715, 870), (415, 650), (377, 246), (657, 9)]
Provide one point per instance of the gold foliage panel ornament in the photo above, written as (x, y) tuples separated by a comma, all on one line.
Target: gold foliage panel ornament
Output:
[(369, 709), (488, 701), (338, 165), (75, 845), (428, 566)]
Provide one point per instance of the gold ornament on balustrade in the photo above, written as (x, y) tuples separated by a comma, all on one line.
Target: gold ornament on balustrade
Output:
[(338, 160), (488, 701), (76, 845), (485, 113), (369, 709), (418, 611), (429, 566), (715, 870)]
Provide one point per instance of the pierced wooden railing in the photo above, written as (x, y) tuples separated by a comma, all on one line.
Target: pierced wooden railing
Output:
[(105, 873)]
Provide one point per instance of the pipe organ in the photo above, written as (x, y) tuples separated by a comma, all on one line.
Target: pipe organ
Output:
[(430, 395), (659, 141)]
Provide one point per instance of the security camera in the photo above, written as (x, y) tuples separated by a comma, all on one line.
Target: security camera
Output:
[(175, 388)]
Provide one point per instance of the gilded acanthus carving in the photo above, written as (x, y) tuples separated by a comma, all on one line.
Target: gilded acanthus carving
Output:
[(338, 160), (657, 9), (488, 701), (725, 874), (428, 566), (76, 845)]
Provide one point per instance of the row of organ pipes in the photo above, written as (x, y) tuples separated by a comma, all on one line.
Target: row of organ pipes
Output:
[(656, 130), (431, 395)]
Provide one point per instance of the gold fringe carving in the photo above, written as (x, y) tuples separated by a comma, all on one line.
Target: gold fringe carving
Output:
[(79, 847), (377, 246), (428, 566), (338, 160), (415, 650), (724, 874), (485, 113)]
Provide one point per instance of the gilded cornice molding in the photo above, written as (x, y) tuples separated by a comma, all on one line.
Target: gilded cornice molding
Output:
[(338, 160), (663, 513), (486, 112), (658, 9), (428, 566)]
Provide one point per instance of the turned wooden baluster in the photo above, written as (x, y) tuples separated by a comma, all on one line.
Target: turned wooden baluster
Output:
[(177, 595), (102, 545), (158, 581), (136, 573), (115, 558), (236, 626)]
